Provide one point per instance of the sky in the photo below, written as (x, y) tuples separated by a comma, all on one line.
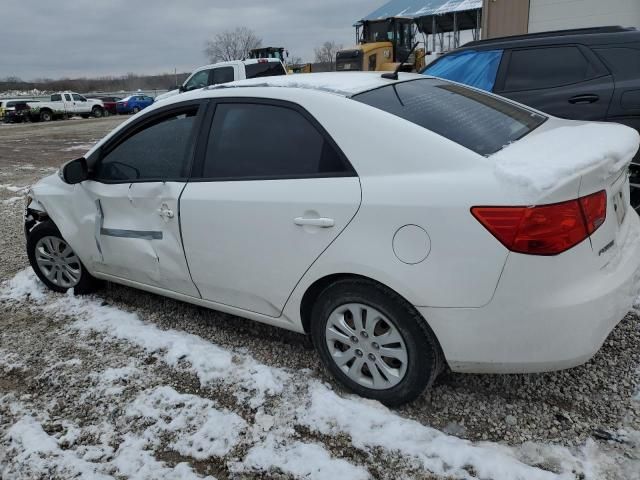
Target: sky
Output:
[(89, 38)]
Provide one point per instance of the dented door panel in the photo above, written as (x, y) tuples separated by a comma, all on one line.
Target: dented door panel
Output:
[(137, 234)]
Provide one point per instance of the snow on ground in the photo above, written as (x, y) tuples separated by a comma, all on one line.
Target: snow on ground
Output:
[(257, 432), (533, 162), (85, 147), (13, 188)]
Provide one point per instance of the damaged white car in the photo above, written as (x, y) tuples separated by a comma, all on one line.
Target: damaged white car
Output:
[(403, 224)]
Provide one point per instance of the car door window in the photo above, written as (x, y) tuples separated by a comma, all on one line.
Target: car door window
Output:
[(530, 69), (67, 97), (477, 69), (255, 141), (221, 75), (158, 152), (198, 80), (78, 98)]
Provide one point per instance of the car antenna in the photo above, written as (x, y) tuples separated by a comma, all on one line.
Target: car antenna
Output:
[(394, 74)]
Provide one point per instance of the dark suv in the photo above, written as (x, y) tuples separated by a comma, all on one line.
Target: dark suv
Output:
[(583, 74)]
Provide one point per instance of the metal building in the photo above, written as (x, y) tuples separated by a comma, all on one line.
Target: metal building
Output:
[(439, 21), (515, 17)]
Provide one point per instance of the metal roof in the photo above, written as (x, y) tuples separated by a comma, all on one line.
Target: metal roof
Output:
[(422, 8)]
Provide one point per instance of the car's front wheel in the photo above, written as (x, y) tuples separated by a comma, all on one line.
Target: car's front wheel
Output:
[(55, 262), (374, 342)]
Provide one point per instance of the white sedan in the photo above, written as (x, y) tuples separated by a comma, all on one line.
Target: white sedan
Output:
[(403, 224)]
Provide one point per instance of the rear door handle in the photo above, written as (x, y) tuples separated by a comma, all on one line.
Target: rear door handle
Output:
[(588, 98), (315, 222)]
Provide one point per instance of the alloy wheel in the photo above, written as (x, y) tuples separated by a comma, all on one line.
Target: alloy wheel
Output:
[(366, 345), (57, 262)]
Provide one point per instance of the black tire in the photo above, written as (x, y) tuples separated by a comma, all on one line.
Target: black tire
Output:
[(97, 112), (86, 283), (424, 357), (46, 115)]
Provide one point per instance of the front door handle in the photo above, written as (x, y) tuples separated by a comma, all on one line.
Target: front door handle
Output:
[(588, 98), (314, 222)]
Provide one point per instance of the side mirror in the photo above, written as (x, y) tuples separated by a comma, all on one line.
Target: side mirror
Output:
[(75, 171), (182, 89)]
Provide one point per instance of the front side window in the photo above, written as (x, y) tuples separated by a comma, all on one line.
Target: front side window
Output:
[(159, 151), (79, 98), (264, 69), (478, 121), (199, 80), (221, 75), (535, 68), (474, 68), (249, 141)]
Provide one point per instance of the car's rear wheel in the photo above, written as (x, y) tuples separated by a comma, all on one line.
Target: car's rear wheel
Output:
[(46, 116), (374, 342), (55, 262), (97, 112), (135, 110)]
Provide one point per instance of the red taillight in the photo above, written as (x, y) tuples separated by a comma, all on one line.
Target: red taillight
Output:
[(594, 208), (545, 229)]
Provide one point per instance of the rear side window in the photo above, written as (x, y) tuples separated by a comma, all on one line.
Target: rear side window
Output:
[(56, 97), (546, 67), (259, 141), (264, 69), (159, 152), (477, 69), (624, 62), (480, 122), (221, 75)]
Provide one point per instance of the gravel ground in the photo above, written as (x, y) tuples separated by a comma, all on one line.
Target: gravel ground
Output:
[(52, 371)]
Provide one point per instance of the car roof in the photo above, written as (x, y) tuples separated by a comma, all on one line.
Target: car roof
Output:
[(340, 83), (587, 36), (248, 61)]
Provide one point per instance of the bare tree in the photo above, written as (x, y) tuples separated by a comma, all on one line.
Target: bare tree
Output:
[(232, 45), (326, 53), (295, 60)]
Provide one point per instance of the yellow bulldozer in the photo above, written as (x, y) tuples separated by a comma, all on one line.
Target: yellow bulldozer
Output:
[(382, 45)]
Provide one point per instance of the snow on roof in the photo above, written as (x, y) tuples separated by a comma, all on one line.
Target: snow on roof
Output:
[(422, 8), (342, 83)]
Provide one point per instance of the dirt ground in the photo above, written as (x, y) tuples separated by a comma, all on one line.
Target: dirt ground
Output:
[(72, 379)]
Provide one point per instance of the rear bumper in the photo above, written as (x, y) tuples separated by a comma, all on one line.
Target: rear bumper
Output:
[(548, 313)]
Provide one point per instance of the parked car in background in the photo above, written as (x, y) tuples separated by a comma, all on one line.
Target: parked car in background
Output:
[(109, 104), (18, 111), (583, 74), (133, 104), (8, 109), (225, 72), (508, 247), (66, 105)]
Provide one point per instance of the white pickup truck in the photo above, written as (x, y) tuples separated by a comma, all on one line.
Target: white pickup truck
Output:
[(225, 72), (66, 105)]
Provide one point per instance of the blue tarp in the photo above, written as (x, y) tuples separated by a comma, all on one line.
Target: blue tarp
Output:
[(478, 69), (422, 8)]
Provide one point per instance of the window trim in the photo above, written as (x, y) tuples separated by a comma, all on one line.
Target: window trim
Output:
[(503, 72), (207, 124), (146, 121)]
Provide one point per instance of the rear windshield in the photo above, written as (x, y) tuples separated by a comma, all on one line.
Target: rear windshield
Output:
[(479, 122), (265, 69)]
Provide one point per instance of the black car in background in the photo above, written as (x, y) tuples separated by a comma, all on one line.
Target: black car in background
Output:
[(582, 74)]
